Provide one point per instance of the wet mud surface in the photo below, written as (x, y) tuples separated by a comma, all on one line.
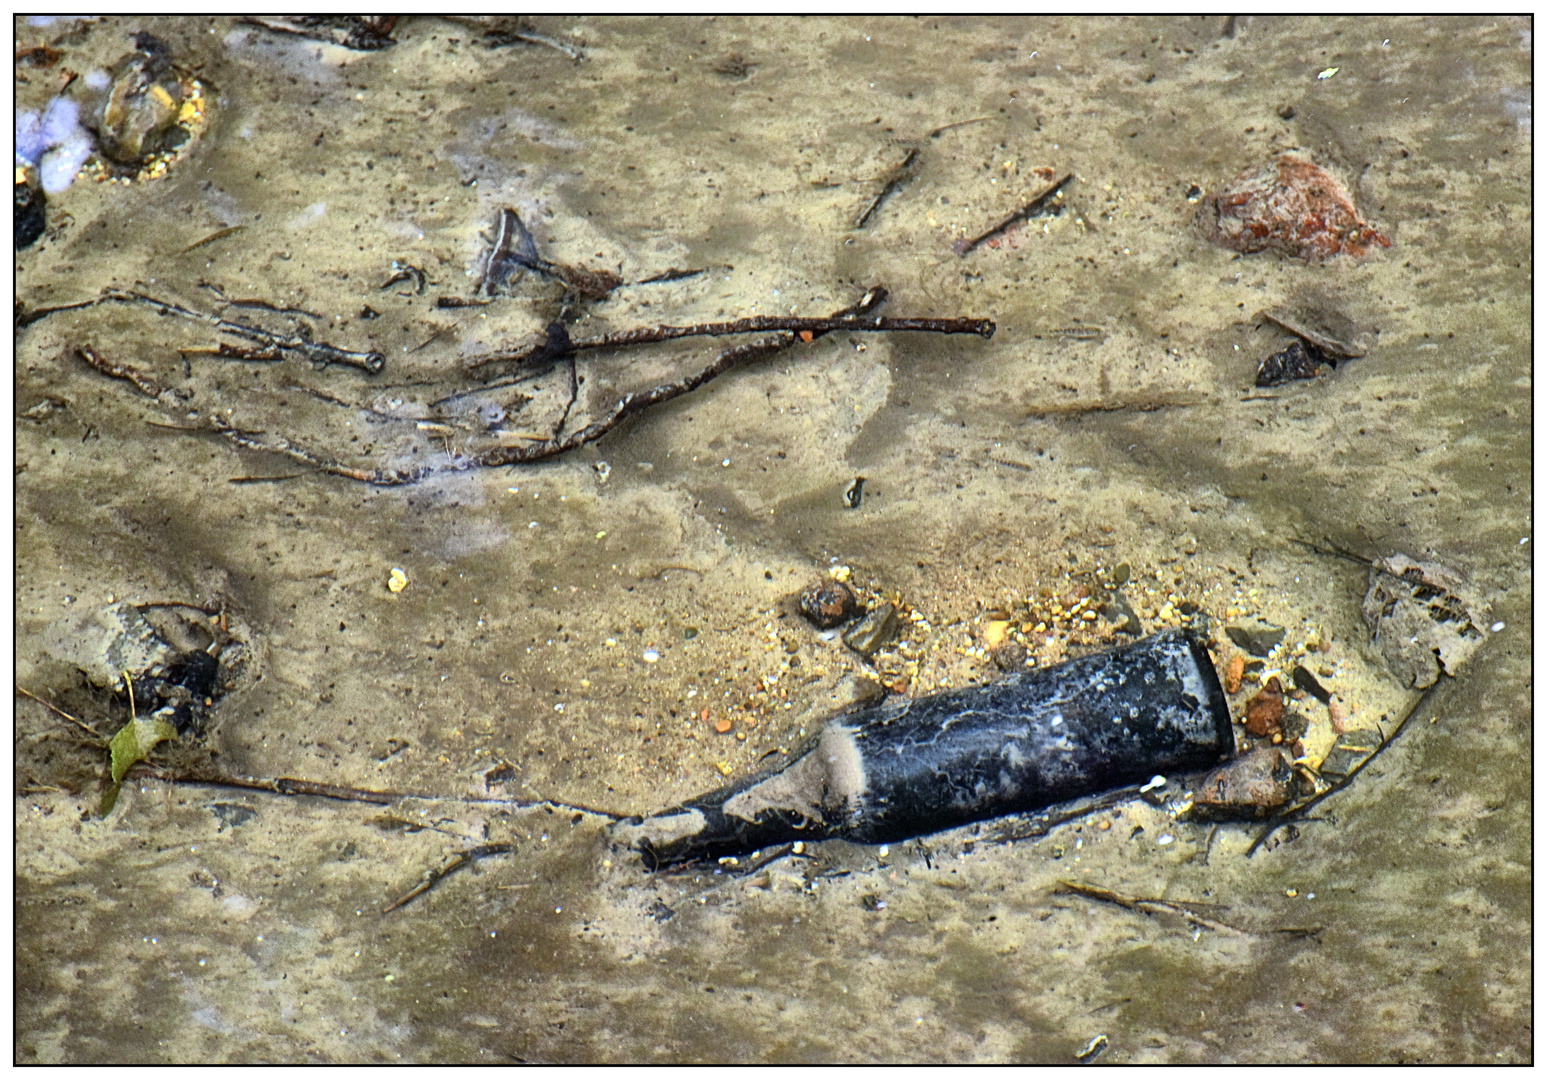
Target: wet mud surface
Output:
[(578, 629)]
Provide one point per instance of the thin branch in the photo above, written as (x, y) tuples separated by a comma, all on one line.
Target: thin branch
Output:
[(142, 382), (894, 179), (1031, 209), (301, 344), (629, 405), (942, 129), (1284, 817), (848, 320), (96, 739), (218, 234), (435, 876), (1147, 905)]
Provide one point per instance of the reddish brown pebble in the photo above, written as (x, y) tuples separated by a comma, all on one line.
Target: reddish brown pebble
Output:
[(722, 725), (1249, 785), (1266, 709), (828, 603), (1339, 713), (1290, 205), (1233, 672)]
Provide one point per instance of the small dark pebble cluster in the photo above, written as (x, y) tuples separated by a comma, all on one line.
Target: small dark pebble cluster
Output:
[(1301, 360), (30, 206), (828, 604)]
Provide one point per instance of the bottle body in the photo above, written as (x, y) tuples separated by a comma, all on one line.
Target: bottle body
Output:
[(908, 767)]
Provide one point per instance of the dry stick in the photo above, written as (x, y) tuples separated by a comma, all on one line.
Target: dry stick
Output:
[(1042, 822), (898, 176), (792, 330), (941, 130), (1145, 405), (435, 876), (211, 612), (218, 234), (261, 304), (279, 445), (757, 324), (630, 404), (1147, 905), (574, 392), (142, 382), (674, 275), (1031, 209), (95, 738), (287, 785), (1297, 811), (302, 345)]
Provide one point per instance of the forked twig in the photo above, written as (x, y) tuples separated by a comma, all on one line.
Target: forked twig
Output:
[(789, 332)]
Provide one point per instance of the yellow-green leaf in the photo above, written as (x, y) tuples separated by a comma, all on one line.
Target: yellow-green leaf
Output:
[(133, 743)]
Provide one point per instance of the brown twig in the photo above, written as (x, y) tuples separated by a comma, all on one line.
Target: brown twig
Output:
[(894, 179), (218, 234), (943, 128), (211, 612), (301, 344), (1144, 405), (227, 351), (1147, 905), (789, 331), (1031, 209), (95, 738), (847, 320), (290, 786), (1042, 822), (262, 305), (674, 275), (142, 382), (435, 876)]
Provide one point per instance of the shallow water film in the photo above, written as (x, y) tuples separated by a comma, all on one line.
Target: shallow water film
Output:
[(324, 374)]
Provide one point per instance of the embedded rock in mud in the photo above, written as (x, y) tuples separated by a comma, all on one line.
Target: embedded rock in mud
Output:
[(1251, 785), (1299, 361), (828, 604), (1289, 205), (1422, 618)]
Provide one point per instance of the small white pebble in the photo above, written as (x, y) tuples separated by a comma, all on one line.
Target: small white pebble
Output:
[(1496, 627), (726, 463), (1165, 838), (651, 656)]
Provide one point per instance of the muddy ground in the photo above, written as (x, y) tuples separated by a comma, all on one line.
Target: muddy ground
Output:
[(576, 629)]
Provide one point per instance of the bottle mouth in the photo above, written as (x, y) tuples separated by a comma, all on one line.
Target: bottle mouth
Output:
[(1213, 698)]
